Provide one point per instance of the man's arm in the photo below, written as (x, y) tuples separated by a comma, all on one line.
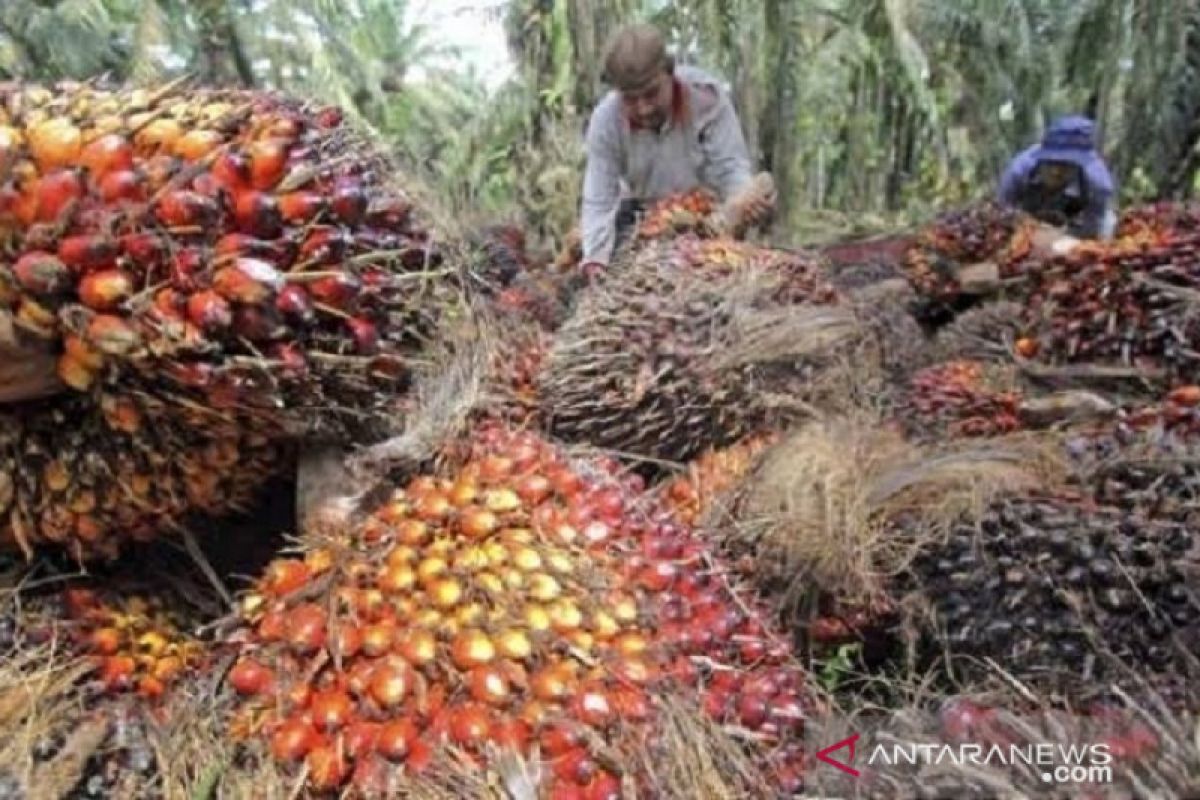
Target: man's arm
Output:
[(725, 151), (601, 190), (1014, 177)]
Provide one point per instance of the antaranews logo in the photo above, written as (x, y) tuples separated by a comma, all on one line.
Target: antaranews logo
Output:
[(982, 750)]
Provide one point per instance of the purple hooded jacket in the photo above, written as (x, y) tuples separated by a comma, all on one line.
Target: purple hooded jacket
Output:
[(1069, 139)]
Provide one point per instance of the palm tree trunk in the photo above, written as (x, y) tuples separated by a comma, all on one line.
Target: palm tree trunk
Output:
[(778, 131), (222, 60)]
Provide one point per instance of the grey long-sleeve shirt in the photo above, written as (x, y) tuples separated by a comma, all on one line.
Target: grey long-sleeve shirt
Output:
[(705, 148)]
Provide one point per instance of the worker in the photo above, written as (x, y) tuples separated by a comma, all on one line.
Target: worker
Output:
[(1063, 181), (662, 130)]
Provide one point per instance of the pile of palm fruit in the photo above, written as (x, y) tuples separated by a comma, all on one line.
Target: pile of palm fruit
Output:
[(219, 272), (522, 602)]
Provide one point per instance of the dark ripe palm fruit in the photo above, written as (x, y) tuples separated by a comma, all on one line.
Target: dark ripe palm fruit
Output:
[(1067, 603), (206, 249), (448, 651), (633, 370)]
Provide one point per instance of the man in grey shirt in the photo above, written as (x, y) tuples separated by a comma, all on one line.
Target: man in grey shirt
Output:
[(662, 130)]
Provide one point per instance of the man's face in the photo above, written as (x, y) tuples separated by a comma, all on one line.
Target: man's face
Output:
[(650, 105), (1056, 176)]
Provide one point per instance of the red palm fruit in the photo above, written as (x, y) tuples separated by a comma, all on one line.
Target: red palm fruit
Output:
[(158, 135), (323, 245), (365, 335), (294, 303), (87, 251), (257, 213), (559, 738), (41, 273), (209, 312), (592, 706), (250, 677), (291, 359), (396, 739), (604, 786), (576, 766), (82, 352), (301, 206), (56, 192), (187, 269), (192, 374), (106, 154), (331, 710), (256, 324), (75, 373), (275, 252), (306, 628), (268, 160), (181, 208), (349, 202), (112, 335), (247, 280), (117, 672), (56, 142), (197, 143), (390, 685), (361, 738), (158, 171), (123, 184), (145, 250), (205, 184), (105, 289), (338, 290), (284, 576), (232, 170), (293, 740), (470, 724), (329, 117)]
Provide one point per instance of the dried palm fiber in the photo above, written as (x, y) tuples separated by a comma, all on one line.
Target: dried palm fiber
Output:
[(236, 260), (691, 344), (820, 511), (984, 333)]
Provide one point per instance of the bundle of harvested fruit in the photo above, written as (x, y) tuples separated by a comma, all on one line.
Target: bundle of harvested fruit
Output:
[(668, 357), (1129, 303), (1065, 595), (687, 212), (961, 398), (241, 257), (525, 604), (715, 473), (985, 232), (90, 477)]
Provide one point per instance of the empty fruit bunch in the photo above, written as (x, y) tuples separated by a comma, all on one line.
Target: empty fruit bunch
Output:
[(526, 603)]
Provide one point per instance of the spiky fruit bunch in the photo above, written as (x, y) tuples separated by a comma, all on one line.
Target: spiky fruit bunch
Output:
[(694, 495), (666, 358), (1146, 460), (961, 398), (1065, 595), (686, 212), (89, 479), (1127, 303), (524, 604), (958, 239), (241, 249), (136, 641)]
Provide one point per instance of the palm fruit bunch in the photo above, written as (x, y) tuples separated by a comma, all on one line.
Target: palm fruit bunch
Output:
[(137, 642), (961, 398), (667, 357), (1127, 303), (680, 213), (240, 256), (525, 603), (92, 473), (694, 495), (1065, 594), (989, 332), (984, 232), (1146, 459)]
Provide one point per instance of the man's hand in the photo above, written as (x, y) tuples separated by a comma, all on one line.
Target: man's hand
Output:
[(593, 270), (26, 372), (753, 205)]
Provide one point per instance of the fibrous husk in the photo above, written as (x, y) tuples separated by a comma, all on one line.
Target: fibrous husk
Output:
[(984, 333), (664, 359), (820, 511)]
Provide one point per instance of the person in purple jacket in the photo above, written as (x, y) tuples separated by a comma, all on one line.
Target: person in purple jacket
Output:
[(1064, 181)]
